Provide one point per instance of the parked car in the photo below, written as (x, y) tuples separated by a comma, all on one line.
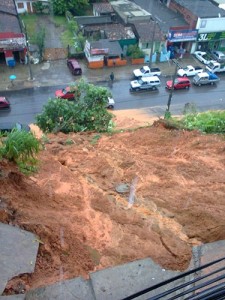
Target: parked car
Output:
[(65, 93), (189, 71), (205, 78), (179, 83), (9, 126), (203, 57), (145, 83), (4, 103), (145, 71), (74, 66), (218, 56)]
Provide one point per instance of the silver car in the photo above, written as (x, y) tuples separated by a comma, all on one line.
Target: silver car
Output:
[(218, 55), (203, 57)]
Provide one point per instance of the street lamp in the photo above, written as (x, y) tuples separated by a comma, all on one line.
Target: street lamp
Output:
[(172, 88), (152, 44), (28, 52)]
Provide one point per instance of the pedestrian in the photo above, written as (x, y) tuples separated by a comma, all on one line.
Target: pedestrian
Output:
[(112, 76)]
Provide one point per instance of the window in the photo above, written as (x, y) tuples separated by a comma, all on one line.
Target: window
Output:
[(20, 5)]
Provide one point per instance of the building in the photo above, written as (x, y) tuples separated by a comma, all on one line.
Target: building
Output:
[(24, 6), (12, 39), (206, 21)]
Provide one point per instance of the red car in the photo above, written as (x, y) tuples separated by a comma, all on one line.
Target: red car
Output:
[(179, 83), (65, 93), (4, 103)]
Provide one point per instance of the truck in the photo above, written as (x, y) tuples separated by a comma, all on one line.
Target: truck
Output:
[(145, 83), (189, 71), (145, 71), (215, 67), (205, 78)]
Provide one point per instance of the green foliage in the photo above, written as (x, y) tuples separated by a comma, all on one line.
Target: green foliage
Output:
[(95, 139), (69, 142), (77, 7), (41, 7), (167, 115), (208, 122), (20, 147), (135, 52), (39, 40), (86, 113)]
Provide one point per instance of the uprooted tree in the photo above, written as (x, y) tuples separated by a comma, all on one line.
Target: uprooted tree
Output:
[(87, 112)]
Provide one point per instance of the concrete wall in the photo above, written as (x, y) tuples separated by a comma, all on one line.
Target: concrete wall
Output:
[(189, 17)]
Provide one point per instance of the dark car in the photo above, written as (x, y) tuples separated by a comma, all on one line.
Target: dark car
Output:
[(179, 83), (4, 103), (9, 126), (74, 67)]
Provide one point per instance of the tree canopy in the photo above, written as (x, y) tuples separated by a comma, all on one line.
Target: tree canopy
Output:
[(77, 7), (87, 112)]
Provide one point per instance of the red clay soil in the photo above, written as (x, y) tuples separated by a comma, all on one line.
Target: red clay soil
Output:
[(84, 224)]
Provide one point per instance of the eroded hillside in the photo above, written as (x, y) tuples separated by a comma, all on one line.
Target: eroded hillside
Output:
[(85, 224)]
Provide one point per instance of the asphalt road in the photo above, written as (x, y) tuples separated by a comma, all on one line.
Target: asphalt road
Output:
[(26, 104)]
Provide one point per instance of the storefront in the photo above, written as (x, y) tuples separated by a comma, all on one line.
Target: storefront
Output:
[(179, 41), (212, 40), (12, 48)]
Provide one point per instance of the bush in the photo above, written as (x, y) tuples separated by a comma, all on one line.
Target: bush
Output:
[(135, 52), (20, 147), (208, 122)]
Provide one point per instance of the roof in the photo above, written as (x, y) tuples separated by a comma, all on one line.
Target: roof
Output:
[(147, 30), (165, 17), (9, 21), (103, 7), (89, 20), (202, 8), (113, 31), (8, 6), (128, 10), (113, 46)]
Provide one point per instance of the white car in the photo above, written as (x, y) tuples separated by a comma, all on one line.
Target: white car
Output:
[(111, 103), (189, 71), (145, 71), (203, 57)]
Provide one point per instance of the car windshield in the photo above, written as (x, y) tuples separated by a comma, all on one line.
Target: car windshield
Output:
[(64, 91), (142, 70)]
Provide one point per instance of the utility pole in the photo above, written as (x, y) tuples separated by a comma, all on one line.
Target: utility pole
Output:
[(152, 44), (28, 53), (172, 87)]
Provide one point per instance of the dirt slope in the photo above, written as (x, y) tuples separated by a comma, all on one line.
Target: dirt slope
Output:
[(84, 224)]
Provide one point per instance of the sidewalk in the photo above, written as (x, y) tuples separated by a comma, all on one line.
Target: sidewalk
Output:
[(56, 73)]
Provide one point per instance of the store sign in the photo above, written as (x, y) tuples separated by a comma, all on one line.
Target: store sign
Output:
[(182, 35), (211, 36), (99, 51), (13, 43)]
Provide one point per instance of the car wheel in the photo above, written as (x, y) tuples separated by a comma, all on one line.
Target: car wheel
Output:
[(185, 75), (153, 88), (187, 87), (110, 107), (212, 83), (137, 89), (199, 84)]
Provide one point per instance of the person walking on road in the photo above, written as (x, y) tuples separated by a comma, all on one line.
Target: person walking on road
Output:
[(112, 77)]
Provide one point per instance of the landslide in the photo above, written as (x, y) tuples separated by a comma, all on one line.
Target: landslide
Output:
[(84, 224)]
